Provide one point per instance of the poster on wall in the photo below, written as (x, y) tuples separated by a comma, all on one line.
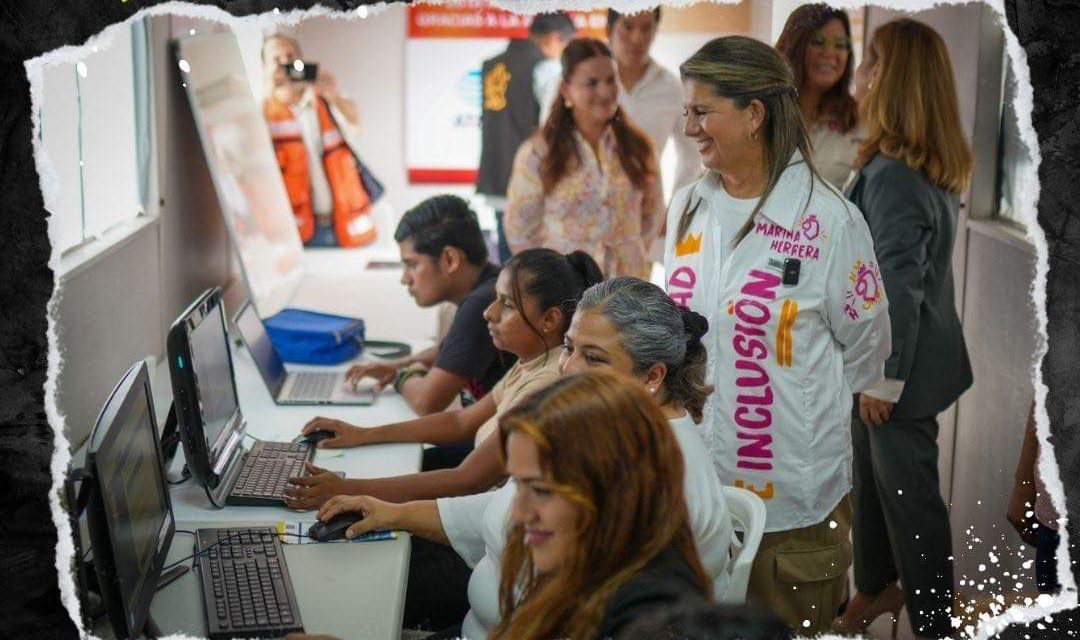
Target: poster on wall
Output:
[(446, 46)]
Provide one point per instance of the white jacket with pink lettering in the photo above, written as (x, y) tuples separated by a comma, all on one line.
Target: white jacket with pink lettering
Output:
[(798, 323)]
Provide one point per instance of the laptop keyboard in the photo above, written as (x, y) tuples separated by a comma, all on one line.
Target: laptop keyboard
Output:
[(246, 586), (313, 386), (266, 473)]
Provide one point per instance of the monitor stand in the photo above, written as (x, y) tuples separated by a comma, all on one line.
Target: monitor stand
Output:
[(168, 577)]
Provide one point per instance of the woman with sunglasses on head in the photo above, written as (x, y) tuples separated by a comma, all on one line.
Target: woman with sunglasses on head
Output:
[(912, 168), (629, 327), (816, 41), (784, 269), (589, 178)]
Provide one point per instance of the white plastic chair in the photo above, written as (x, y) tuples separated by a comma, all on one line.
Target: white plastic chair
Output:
[(748, 516)]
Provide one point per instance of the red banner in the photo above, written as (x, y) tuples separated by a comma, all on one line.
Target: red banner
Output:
[(480, 20)]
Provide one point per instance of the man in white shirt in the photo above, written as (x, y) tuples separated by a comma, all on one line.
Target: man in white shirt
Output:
[(650, 94)]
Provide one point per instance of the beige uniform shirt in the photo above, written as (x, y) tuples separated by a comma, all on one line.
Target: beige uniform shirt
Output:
[(519, 382)]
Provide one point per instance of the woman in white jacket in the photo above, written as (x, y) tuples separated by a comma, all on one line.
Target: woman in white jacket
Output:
[(629, 327), (784, 269)]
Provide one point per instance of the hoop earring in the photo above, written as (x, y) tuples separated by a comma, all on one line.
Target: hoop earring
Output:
[(753, 136)]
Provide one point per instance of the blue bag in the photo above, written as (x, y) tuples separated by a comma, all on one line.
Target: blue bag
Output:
[(310, 337)]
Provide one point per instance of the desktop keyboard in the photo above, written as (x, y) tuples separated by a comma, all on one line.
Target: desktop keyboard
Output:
[(313, 386), (266, 472), (246, 585)]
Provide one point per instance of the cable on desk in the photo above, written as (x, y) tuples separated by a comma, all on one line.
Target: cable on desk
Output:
[(231, 535), (237, 534), (185, 475)]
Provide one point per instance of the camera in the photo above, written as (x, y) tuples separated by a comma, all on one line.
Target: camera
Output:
[(300, 71)]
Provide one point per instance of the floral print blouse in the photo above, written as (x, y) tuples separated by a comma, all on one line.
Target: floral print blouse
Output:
[(594, 208)]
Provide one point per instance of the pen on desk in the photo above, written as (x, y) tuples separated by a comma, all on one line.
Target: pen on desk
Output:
[(372, 536)]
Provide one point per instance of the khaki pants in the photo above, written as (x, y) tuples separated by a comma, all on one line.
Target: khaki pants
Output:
[(800, 574)]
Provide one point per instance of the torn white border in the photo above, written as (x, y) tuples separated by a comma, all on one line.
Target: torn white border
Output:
[(1044, 606)]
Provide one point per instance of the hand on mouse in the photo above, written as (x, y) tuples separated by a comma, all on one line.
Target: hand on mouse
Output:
[(345, 434), (378, 515), (308, 492)]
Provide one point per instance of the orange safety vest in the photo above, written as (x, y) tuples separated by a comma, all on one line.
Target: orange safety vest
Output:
[(353, 225)]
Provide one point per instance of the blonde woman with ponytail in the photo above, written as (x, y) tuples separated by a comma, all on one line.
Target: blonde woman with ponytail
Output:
[(913, 166), (783, 268)]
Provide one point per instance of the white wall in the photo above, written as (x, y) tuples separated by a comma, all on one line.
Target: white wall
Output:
[(117, 308)]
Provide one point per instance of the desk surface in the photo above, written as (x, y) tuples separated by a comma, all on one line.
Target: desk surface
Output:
[(347, 590), (269, 421)]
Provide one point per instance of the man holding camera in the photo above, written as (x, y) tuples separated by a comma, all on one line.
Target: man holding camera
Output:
[(312, 126)]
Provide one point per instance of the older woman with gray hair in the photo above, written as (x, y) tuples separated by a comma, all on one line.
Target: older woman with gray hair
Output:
[(632, 328)]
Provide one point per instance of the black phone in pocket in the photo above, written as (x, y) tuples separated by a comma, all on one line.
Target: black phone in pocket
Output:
[(300, 71)]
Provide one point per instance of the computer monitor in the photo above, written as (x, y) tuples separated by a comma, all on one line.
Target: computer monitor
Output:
[(262, 350), (204, 393), (129, 513)]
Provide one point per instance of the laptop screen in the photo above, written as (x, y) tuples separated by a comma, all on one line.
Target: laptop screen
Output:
[(213, 374), (254, 335)]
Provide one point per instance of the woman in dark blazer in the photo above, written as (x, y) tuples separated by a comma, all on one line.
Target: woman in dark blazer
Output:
[(913, 165)]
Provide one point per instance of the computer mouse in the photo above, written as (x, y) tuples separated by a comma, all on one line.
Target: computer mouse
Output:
[(315, 437), (334, 529)]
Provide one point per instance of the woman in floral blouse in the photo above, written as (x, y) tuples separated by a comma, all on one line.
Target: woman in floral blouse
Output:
[(588, 179)]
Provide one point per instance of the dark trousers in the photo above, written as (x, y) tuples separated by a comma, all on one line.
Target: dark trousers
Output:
[(901, 527), (437, 593)]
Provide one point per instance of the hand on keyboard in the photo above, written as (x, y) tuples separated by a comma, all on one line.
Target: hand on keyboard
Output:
[(345, 434), (382, 372), (309, 492)]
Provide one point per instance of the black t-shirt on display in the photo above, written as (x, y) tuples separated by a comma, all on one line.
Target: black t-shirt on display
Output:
[(467, 350)]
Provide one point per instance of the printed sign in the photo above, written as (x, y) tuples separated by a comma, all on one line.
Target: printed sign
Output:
[(442, 110)]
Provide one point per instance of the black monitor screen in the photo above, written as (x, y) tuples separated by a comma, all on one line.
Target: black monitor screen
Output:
[(270, 366), (133, 498), (213, 373)]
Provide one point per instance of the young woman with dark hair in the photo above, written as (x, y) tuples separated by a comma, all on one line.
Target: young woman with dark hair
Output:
[(816, 41), (527, 318), (589, 179)]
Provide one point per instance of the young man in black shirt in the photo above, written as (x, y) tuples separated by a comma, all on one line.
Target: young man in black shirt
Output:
[(445, 260)]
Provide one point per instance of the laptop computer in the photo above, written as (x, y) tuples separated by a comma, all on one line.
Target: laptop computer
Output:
[(295, 387), (211, 425)]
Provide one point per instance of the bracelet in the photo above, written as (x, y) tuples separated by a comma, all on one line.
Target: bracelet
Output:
[(403, 375)]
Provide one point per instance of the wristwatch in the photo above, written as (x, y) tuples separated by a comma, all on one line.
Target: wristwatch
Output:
[(405, 373)]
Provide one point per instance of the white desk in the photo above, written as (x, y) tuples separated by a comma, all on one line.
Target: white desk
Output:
[(269, 421), (338, 281), (346, 590)]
